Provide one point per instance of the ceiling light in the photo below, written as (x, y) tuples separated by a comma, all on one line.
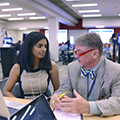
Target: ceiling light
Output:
[(46, 27), (88, 11), (84, 5), (100, 26), (23, 28), (4, 4), (92, 15), (5, 15), (37, 17), (26, 14), (15, 18), (72, 0), (12, 9)]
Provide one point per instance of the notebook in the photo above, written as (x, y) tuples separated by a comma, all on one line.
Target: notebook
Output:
[(60, 115), (38, 109)]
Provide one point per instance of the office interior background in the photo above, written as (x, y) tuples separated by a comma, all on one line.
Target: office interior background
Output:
[(75, 17)]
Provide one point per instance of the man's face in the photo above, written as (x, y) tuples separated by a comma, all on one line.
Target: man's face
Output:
[(85, 56)]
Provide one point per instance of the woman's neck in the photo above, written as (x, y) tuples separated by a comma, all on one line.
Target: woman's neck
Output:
[(36, 63)]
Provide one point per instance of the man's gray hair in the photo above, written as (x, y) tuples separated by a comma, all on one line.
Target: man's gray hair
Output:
[(91, 40)]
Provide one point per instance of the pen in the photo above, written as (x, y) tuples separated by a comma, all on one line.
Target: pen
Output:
[(59, 97)]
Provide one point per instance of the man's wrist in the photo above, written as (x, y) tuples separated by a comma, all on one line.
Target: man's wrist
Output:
[(94, 108)]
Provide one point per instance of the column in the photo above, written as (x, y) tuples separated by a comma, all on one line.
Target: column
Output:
[(53, 25)]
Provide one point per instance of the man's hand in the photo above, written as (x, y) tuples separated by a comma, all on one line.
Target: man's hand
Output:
[(56, 104), (76, 105)]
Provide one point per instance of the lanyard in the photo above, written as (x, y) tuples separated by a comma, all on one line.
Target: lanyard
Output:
[(91, 88)]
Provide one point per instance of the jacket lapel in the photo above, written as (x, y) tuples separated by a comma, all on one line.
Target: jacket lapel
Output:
[(83, 88), (82, 85), (99, 80)]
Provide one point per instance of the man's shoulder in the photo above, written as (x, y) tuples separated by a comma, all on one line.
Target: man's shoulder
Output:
[(111, 65), (74, 64)]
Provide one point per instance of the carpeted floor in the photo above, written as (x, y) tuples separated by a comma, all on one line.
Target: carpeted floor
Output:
[(62, 74)]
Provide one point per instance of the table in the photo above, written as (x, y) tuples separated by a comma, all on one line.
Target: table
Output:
[(18, 100), (70, 51), (93, 117), (85, 116), (70, 55)]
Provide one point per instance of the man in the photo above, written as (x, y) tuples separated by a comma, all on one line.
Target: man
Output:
[(64, 53), (61, 47), (95, 92), (17, 45)]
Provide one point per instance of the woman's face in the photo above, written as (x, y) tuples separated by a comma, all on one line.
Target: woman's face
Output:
[(39, 49)]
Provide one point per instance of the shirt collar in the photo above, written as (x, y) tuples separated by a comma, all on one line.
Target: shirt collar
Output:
[(97, 66)]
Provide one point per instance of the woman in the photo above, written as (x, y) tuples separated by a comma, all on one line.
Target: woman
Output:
[(33, 66), (114, 38)]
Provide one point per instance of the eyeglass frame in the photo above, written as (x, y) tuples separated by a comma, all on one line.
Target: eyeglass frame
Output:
[(83, 53)]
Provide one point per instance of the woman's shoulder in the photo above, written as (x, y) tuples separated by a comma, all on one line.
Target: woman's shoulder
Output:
[(17, 66), (16, 69), (53, 63)]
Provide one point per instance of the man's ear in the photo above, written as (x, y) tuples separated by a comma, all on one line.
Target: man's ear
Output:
[(96, 53)]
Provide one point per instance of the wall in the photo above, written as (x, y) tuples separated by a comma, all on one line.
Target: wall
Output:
[(117, 30), (86, 24), (32, 24), (2, 30), (17, 34), (76, 33), (13, 31), (113, 22)]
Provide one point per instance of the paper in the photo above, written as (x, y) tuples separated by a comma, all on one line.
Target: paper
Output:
[(60, 115)]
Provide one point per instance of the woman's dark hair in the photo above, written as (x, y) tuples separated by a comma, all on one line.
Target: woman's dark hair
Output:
[(25, 56), (113, 35)]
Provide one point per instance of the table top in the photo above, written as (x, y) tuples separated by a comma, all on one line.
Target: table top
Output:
[(93, 117), (85, 116), (70, 51), (18, 100)]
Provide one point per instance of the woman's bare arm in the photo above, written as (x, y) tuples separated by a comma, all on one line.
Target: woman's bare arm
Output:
[(55, 76), (13, 77)]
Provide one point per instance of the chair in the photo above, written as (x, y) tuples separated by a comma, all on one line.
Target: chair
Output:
[(2, 83), (65, 57), (16, 89), (17, 92), (60, 55)]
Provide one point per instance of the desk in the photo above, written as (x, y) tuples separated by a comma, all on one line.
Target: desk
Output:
[(70, 55), (8, 55), (92, 117), (85, 116), (108, 52), (70, 51), (18, 100)]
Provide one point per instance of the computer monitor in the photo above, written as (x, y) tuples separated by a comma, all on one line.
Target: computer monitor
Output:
[(24, 35), (7, 41)]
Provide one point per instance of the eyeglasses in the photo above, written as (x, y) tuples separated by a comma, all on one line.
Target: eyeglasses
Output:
[(81, 54)]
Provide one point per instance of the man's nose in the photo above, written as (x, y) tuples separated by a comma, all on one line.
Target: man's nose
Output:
[(76, 56)]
